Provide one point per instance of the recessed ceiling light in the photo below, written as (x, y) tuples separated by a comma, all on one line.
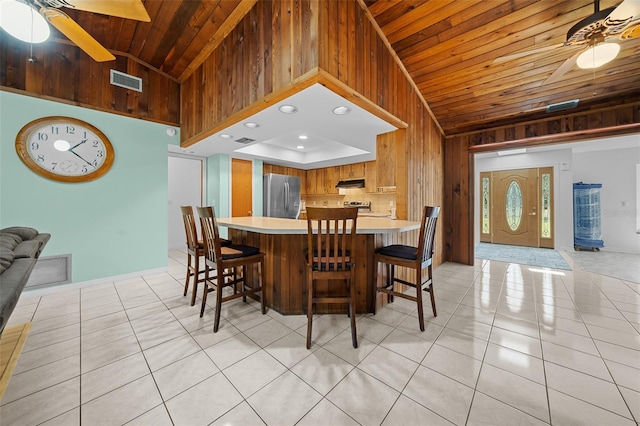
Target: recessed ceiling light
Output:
[(288, 109), (251, 124), (226, 136), (302, 137), (300, 147), (341, 110)]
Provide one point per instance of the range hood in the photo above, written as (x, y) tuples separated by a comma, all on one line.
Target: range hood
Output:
[(351, 183)]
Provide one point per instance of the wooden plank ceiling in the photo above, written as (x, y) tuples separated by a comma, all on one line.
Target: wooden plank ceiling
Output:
[(449, 48)]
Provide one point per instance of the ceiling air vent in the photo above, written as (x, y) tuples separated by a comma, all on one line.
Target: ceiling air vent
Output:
[(560, 106), (245, 140), (127, 81)]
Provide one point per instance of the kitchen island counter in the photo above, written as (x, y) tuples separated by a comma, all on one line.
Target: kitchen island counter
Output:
[(274, 225), (284, 240)]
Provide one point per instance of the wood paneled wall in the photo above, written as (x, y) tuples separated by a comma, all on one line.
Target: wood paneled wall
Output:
[(64, 73), (351, 50), (458, 180), (272, 47), (283, 46)]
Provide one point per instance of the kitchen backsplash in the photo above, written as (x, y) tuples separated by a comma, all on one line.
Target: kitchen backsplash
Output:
[(380, 202)]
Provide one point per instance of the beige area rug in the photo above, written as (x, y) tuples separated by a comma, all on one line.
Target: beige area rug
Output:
[(11, 344)]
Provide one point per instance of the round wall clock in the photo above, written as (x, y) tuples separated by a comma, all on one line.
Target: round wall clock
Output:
[(64, 149)]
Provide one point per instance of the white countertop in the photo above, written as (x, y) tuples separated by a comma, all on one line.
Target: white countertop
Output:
[(272, 225)]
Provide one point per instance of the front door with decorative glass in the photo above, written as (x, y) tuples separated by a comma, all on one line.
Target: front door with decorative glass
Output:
[(516, 207)]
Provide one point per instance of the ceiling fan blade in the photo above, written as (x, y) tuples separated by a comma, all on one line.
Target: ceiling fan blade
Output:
[(527, 53), (130, 9), (625, 10), (562, 69), (77, 34), (631, 31)]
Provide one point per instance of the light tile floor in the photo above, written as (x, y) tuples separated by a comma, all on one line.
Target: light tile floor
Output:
[(509, 346)]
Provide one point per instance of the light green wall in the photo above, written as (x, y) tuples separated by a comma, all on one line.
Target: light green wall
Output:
[(257, 187), (112, 226), (218, 186)]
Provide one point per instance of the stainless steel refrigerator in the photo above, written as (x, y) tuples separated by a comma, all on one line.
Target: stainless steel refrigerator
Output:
[(281, 196)]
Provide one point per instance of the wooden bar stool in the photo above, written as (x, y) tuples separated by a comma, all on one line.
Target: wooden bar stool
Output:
[(195, 249), (329, 257), (416, 258), (232, 257)]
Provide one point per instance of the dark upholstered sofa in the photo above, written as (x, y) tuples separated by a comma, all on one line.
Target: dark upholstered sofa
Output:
[(20, 248)]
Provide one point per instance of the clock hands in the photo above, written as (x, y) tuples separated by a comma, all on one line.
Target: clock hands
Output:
[(77, 145), (71, 150)]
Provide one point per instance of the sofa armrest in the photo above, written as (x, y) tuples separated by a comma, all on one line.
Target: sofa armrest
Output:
[(13, 280), (42, 239)]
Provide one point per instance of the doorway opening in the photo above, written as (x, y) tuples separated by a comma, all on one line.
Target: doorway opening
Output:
[(186, 186)]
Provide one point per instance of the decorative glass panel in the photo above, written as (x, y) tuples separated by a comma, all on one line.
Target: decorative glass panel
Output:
[(514, 205), (545, 229), (485, 205)]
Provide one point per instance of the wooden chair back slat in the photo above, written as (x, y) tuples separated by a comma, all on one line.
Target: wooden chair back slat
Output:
[(189, 227), (333, 239), (426, 242), (210, 234)]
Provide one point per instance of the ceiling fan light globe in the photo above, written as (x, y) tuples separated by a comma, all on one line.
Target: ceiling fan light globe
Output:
[(598, 55), (23, 22)]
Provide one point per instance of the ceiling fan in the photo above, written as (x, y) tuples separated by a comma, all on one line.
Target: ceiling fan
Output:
[(622, 21), (21, 19)]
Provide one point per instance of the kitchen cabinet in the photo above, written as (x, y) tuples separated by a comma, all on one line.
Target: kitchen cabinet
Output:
[(370, 176), (332, 177), (386, 159), (272, 168), (321, 177), (310, 182), (322, 181), (352, 171)]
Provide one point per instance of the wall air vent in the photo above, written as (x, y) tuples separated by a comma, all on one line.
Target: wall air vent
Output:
[(561, 106), (245, 140), (51, 270), (127, 81)]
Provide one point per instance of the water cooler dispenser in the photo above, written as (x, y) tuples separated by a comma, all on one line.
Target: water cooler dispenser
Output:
[(587, 229)]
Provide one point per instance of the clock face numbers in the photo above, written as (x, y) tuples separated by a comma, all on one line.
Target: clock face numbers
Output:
[(67, 150), (64, 149)]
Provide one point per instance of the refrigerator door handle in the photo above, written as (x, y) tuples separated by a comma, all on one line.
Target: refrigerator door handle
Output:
[(286, 197)]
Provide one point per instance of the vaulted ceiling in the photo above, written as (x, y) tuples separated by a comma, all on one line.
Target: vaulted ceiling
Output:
[(463, 55)]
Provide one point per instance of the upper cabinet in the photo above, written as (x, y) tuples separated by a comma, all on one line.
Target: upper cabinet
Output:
[(322, 181), (332, 177), (370, 179), (379, 175), (272, 168), (386, 160), (310, 186), (352, 171)]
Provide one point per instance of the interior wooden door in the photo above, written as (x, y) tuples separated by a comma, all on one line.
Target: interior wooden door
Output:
[(241, 188), (514, 205)]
